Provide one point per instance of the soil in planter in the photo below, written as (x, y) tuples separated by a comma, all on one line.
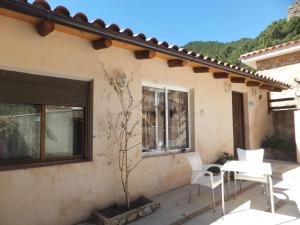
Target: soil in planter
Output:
[(119, 209)]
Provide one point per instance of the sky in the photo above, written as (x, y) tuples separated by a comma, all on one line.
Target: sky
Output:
[(178, 21)]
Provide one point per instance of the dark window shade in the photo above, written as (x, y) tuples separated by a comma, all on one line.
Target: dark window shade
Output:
[(19, 87)]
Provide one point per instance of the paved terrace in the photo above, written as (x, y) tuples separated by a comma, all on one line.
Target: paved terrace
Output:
[(249, 208)]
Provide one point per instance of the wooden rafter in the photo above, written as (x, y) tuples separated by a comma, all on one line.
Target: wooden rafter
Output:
[(282, 99), (102, 43), (201, 69), (220, 75), (277, 89), (284, 107), (144, 54), (45, 27), (176, 63), (266, 87), (253, 83), (238, 80)]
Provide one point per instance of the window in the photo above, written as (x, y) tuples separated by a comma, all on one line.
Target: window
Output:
[(165, 119), (43, 119)]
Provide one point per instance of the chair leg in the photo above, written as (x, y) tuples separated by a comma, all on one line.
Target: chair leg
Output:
[(262, 189), (199, 190), (240, 184), (234, 188), (213, 199), (190, 194), (267, 193)]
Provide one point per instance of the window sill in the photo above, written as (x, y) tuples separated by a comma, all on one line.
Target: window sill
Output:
[(164, 153), (40, 164)]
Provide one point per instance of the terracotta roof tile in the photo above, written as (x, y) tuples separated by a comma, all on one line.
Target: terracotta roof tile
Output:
[(113, 27), (163, 44), (127, 31), (80, 17), (98, 23), (41, 4), (152, 40), (140, 36), (174, 47), (62, 11), (113, 31)]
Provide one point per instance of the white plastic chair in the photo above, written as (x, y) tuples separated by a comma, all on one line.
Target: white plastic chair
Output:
[(201, 176), (250, 156)]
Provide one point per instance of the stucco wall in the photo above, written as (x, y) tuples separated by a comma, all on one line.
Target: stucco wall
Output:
[(66, 194)]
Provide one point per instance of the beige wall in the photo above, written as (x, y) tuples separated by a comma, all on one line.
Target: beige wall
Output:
[(67, 194)]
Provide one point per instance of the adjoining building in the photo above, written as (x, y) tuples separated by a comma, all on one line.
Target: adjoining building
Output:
[(282, 62)]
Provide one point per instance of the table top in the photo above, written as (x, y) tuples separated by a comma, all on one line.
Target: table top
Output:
[(247, 167)]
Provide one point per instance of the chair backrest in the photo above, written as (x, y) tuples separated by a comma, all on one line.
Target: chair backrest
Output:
[(195, 161), (251, 155)]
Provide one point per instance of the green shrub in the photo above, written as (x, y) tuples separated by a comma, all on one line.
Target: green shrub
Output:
[(226, 156), (278, 143)]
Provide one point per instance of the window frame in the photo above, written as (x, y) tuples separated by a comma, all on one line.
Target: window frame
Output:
[(166, 88), (87, 154)]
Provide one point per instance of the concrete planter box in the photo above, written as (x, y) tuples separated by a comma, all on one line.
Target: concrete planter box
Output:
[(126, 217)]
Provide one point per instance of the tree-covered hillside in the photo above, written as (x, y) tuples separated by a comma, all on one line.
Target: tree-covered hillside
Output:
[(278, 32)]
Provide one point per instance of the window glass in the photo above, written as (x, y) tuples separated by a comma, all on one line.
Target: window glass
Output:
[(64, 131), (149, 119), (19, 131), (158, 132), (177, 119), (154, 118)]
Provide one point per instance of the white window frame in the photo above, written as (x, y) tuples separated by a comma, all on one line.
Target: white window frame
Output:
[(172, 88)]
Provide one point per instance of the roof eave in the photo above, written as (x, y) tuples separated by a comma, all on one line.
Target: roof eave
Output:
[(30, 10)]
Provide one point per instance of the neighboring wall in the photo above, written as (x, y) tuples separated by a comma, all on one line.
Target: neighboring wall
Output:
[(287, 69), (67, 194)]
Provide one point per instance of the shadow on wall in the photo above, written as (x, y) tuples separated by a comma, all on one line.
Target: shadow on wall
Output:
[(282, 145)]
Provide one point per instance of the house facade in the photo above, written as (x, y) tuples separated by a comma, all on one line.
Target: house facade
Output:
[(55, 159), (282, 62)]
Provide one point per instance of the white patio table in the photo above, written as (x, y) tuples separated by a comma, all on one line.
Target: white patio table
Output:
[(247, 167)]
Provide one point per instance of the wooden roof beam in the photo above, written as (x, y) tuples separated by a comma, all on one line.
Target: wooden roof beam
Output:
[(45, 27), (144, 54), (266, 87), (277, 89), (102, 43), (253, 83), (201, 69), (239, 80), (220, 75), (176, 63)]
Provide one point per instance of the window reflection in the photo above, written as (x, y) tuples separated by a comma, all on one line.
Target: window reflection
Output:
[(64, 131), (19, 131)]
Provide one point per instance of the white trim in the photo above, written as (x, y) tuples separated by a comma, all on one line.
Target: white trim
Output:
[(156, 118), (167, 152), (166, 88), (163, 86), (166, 116)]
